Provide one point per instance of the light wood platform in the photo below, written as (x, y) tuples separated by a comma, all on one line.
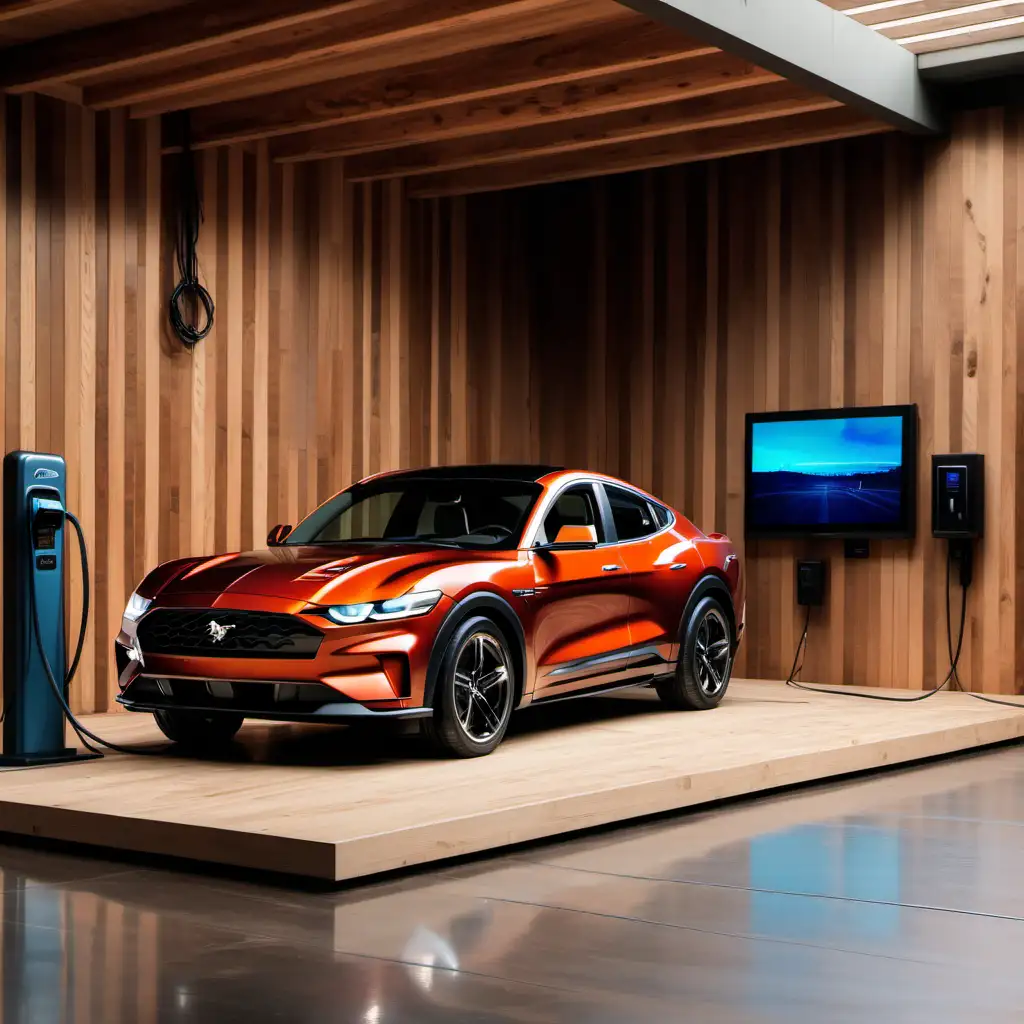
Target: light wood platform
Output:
[(325, 803)]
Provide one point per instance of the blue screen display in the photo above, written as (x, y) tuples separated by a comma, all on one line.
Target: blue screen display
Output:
[(823, 473)]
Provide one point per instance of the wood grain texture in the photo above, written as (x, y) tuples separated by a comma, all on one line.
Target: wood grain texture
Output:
[(543, 784), (861, 272), (643, 88), (4, 305), (132, 42), (369, 38), (625, 324), (929, 25), (734, 106), (173, 451), (476, 75), (27, 278), (515, 92), (22, 21), (113, 575), (702, 144)]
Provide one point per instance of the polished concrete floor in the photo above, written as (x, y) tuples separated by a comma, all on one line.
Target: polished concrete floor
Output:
[(898, 898)]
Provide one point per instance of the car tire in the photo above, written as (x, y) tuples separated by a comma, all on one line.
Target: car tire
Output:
[(705, 660), (198, 730), (475, 692)]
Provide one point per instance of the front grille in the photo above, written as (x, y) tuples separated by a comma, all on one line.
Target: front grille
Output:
[(242, 634)]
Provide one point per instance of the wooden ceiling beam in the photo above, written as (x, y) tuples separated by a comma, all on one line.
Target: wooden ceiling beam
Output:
[(911, 10), (393, 34), (984, 32), (969, 24), (644, 87), (15, 9), (162, 35), (955, 19), (709, 144), (777, 99), (480, 74), (878, 15)]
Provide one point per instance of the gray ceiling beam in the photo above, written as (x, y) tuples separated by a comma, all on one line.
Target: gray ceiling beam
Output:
[(977, 61), (810, 43)]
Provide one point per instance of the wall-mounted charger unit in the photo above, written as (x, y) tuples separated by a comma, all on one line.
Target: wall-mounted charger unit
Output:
[(958, 496), (810, 583)]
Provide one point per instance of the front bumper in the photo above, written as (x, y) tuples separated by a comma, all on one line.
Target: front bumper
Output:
[(360, 671), (276, 702)]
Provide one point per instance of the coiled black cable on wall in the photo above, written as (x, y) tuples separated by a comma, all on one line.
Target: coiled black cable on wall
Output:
[(191, 306)]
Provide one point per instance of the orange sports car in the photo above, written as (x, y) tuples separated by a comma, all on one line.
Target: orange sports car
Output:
[(451, 595)]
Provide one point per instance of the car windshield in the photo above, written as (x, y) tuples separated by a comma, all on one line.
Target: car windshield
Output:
[(471, 513)]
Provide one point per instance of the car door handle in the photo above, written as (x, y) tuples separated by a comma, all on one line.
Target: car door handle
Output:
[(676, 566), (610, 568)]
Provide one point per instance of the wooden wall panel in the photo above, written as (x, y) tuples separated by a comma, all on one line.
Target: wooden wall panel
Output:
[(625, 325), (664, 306), (305, 382)]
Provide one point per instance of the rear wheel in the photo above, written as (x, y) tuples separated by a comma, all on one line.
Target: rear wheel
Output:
[(197, 729), (475, 691), (705, 660)]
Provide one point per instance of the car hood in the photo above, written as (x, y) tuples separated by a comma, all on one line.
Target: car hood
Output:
[(318, 575)]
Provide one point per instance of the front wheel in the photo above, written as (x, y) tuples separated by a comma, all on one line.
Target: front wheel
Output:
[(705, 660), (198, 730), (475, 691)]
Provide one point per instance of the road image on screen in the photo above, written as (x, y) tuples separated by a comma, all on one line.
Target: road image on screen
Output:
[(822, 473)]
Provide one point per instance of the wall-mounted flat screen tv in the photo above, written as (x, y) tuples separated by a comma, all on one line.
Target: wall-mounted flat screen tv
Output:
[(847, 473)]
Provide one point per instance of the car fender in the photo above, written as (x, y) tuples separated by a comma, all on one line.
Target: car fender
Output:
[(710, 584), (480, 603)]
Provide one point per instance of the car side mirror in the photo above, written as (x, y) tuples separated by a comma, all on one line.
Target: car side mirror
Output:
[(573, 538), (277, 535)]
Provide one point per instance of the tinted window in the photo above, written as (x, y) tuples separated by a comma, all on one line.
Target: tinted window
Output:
[(463, 513), (631, 514), (576, 506)]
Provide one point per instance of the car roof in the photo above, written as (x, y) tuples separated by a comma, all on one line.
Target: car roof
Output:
[(513, 472), (546, 475)]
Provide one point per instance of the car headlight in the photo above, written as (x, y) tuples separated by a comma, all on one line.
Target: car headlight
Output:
[(136, 607), (382, 611)]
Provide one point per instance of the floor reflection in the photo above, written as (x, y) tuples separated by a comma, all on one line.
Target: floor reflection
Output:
[(861, 865), (892, 900)]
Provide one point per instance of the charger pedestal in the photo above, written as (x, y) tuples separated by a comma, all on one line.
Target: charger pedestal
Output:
[(33, 539)]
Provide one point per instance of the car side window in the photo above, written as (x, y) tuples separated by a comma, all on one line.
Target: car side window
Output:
[(575, 506), (633, 516)]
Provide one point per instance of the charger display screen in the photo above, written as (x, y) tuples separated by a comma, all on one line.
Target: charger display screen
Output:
[(45, 538), (952, 480)]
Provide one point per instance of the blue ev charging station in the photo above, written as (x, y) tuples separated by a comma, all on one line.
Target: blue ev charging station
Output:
[(36, 673)]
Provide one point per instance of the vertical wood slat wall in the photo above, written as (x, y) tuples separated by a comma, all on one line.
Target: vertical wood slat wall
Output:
[(624, 324), (643, 316), (303, 385)]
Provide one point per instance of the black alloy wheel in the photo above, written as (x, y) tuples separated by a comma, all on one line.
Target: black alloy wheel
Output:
[(705, 660), (476, 691)]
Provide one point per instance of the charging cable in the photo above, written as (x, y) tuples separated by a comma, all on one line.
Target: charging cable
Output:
[(60, 689), (953, 676), (954, 657)]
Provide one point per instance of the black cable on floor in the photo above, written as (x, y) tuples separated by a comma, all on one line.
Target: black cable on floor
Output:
[(954, 657), (956, 674), (995, 700), (949, 624), (800, 648)]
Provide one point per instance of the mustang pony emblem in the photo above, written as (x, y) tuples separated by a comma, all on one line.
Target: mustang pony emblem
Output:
[(218, 632)]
